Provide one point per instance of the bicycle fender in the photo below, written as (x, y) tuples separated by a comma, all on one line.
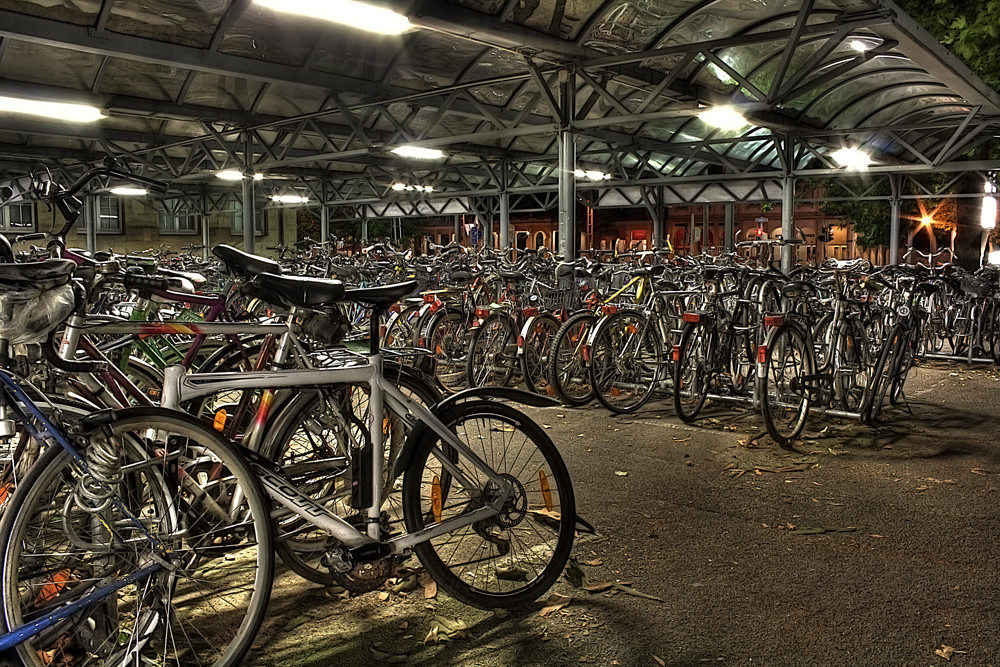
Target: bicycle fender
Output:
[(405, 455)]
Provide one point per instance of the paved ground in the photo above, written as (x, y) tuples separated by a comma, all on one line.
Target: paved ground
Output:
[(868, 547)]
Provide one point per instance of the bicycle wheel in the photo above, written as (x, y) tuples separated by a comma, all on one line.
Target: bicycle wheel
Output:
[(183, 486), (851, 365), (401, 329), (446, 337), (691, 371), (889, 363), (312, 440), (511, 558), (492, 352), (784, 399), (625, 361), (568, 374), (536, 340)]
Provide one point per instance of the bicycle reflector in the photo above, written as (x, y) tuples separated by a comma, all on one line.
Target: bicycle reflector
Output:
[(610, 309), (774, 320), (437, 501), (482, 313), (585, 352), (394, 308), (520, 341), (430, 298), (694, 318), (676, 354), (435, 305), (219, 423), (530, 312), (762, 354)]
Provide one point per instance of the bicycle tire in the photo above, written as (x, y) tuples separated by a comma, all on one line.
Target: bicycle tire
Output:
[(691, 379), (784, 409), (543, 510), (568, 375), (446, 336), (492, 352), (535, 345), (626, 359), (225, 604)]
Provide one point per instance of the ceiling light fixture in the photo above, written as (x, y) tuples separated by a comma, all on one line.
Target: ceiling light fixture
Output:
[(852, 158), (724, 118), (398, 187), (75, 113), (994, 257), (289, 199), (418, 153), (860, 46), (345, 12), (988, 218), (129, 192), (236, 175), (591, 174)]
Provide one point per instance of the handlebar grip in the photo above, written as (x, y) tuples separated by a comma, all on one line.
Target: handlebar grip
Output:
[(35, 236), (145, 284)]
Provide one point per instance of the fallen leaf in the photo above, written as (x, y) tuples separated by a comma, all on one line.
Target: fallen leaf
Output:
[(383, 595), (388, 657), (621, 473), (659, 661), (297, 621), (512, 573), (594, 563), (945, 652), (574, 575), (603, 586), (555, 602), (430, 590)]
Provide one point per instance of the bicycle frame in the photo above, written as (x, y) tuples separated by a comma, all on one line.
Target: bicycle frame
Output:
[(180, 387)]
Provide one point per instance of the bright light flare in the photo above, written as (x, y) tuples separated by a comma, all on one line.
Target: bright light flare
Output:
[(236, 175), (129, 192), (852, 158), (289, 199), (399, 187), (591, 174), (418, 153), (74, 113), (345, 12), (724, 118), (994, 257)]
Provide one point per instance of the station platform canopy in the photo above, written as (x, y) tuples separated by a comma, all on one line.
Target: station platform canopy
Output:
[(189, 88)]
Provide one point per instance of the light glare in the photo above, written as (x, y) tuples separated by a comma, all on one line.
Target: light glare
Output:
[(994, 257), (418, 153), (591, 174), (345, 12), (724, 118), (129, 192), (989, 214), (852, 158), (76, 113), (289, 199)]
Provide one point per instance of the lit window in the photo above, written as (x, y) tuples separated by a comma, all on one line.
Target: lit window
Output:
[(109, 219), (19, 217), (175, 219)]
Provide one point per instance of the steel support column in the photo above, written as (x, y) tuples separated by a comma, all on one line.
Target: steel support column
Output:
[(567, 167), (656, 212), (730, 233), (458, 229), (364, 232), (92, 213), (249, 212), (895, 205), (787, 223), (324, 224), (505, 222), (206, 235)]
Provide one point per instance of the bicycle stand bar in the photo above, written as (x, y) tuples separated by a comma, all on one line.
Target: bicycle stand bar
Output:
[(953, 357)]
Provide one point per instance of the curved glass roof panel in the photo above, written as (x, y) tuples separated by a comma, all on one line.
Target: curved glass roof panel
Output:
[(187, 22), (131, 77), (65, 68)]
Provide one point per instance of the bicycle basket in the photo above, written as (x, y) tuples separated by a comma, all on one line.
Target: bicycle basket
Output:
[(34, 299), (558, 299), (976, 286)]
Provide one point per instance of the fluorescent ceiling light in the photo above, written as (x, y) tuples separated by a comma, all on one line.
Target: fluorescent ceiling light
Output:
[(852, 158), (994, 257), (346, 12), (860, 46), (989, 214), (591, 174), (289, 199), (724, 118), (410, 188), (129, 192), (418, 153), (76, 113), (236, 175)]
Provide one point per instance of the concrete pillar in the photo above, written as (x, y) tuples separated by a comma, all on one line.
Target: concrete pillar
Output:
[(730, 232), (249, 212), (787, 223)]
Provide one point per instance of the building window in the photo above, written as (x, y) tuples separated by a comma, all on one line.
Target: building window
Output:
[(235, 211), (178, 221), (109, 218), (19, 217)]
